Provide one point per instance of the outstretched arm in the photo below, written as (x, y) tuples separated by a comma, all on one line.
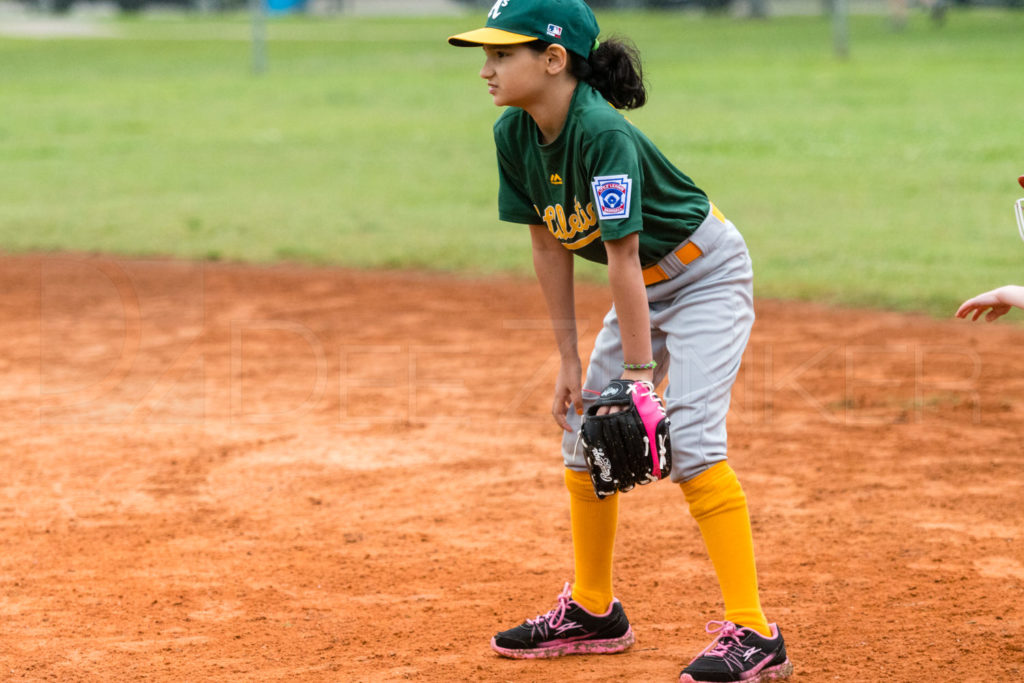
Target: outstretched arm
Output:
[(997, 302)]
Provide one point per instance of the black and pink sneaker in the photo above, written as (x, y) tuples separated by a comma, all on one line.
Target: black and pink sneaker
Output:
[(739, 654), (568, 629)]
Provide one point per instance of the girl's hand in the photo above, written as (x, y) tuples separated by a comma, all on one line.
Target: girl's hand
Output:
[(568, 392)]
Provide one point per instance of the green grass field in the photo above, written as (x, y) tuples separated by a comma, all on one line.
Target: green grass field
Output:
[(884, 180)]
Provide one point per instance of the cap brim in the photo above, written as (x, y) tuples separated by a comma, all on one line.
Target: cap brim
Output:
[(489, 36)]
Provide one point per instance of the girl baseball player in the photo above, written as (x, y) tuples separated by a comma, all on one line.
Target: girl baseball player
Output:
[(589, 184)]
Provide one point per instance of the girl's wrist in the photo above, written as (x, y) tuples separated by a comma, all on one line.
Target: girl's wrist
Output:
[(638, 375)]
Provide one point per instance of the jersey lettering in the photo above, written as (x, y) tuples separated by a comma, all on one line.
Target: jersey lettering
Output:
[(568, 228)]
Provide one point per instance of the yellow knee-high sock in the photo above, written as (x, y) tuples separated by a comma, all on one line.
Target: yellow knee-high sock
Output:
[(593, 540), (719, 505)]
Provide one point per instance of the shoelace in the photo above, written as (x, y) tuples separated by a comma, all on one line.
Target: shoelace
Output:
[(554, 618), (727, 639)]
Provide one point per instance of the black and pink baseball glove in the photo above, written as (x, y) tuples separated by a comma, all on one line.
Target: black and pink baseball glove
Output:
[(630, 446)]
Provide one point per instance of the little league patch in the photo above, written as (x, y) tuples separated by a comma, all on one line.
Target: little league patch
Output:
[(612, 196)]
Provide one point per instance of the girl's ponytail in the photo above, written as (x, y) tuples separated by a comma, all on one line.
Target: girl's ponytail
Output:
[(614, 70)]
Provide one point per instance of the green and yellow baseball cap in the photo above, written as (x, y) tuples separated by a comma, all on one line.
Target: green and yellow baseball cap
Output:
[(569, 23)]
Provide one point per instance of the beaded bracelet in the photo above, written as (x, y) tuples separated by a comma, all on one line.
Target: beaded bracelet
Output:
[(637, 366)]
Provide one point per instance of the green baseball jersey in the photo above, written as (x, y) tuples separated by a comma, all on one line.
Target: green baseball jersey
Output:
[(601, 179)]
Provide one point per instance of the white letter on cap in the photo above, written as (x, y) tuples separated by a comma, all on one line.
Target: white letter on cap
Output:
[(496, 10)]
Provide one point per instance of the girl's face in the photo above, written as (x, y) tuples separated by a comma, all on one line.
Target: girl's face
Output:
[(515, 75)]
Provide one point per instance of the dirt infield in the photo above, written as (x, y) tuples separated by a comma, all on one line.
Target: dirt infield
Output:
[(222, 473)]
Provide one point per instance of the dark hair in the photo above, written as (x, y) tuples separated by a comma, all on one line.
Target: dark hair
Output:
[(613, 69)]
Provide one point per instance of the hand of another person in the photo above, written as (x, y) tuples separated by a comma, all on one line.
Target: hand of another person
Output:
[(996, 302)]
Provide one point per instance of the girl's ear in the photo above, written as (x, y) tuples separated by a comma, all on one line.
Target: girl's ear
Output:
[(557, 59)]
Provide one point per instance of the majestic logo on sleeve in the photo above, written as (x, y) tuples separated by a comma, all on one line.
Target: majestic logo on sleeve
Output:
[(612, 194)]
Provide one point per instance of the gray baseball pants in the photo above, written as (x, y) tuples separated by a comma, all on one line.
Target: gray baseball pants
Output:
[(700, 323)]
